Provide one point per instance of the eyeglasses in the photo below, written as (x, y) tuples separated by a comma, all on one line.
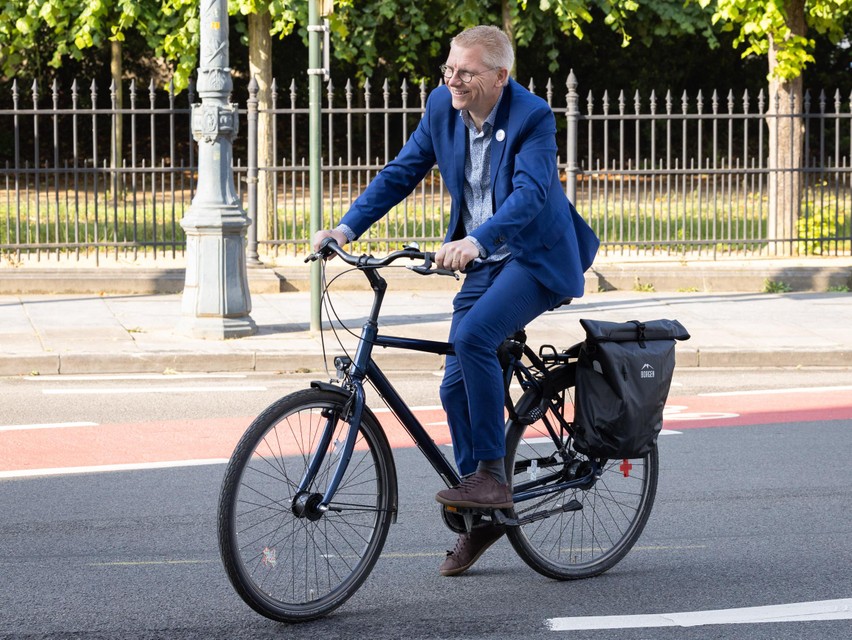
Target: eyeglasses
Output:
[(464, 75)]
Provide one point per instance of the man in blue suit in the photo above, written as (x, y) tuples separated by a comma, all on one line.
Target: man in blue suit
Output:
[(520, 242)]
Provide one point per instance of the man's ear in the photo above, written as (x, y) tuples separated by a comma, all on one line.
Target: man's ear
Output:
[(502, 77)]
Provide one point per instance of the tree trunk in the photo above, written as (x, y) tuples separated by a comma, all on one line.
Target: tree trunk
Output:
[(260, 67), (786, 138), (115, 68), (509, 29)]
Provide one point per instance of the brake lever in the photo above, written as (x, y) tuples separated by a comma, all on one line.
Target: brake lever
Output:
[(426, 270)]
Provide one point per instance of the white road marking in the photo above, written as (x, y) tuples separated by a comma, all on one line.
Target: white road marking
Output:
[(433, 407), (133, 466), (54, 425), (676, 412), (767, 392), (125, 390), (134, 376), (793, 612)]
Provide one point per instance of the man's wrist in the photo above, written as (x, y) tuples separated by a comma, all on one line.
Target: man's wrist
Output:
[(478, 245), (346, 230)]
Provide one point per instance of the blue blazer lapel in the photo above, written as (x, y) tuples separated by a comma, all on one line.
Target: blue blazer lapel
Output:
[(501, 123), (459, 153)]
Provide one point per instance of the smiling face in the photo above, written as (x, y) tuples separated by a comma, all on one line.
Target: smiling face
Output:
[(480, 94)]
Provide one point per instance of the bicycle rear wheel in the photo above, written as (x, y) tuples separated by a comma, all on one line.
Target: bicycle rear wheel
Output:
[(288, 560), (584, 538)]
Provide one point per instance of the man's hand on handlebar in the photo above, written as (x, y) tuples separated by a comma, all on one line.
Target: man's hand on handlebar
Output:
[(339, 237), (456, 255)]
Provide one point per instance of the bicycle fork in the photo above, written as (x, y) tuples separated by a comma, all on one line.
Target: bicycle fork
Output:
[(353, 409)]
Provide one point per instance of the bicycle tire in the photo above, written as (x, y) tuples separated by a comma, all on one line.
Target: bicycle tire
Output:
[(575, 544), (293, 568)]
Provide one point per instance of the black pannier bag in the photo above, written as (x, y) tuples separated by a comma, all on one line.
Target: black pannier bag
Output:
[(624, 372)]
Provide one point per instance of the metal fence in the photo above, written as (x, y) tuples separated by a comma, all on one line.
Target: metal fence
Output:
[(88, 174)]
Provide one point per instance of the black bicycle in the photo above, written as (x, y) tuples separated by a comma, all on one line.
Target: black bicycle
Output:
[(311, 489)]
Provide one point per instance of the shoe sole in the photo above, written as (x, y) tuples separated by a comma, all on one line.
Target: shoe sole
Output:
[(474, 505), (454, 572)]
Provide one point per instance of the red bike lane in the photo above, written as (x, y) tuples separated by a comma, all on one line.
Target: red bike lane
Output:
[(46, 450)]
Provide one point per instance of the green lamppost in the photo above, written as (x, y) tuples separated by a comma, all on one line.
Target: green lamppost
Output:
[(216, 299), (317, 71)]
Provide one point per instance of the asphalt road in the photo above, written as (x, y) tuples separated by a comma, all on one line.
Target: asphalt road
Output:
[(747, 515)]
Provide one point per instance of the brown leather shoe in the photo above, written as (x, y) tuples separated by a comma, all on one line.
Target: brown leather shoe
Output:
[(480, 490), (469, 547)]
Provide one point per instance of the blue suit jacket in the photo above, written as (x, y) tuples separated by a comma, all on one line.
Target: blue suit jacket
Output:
[(531, 212)]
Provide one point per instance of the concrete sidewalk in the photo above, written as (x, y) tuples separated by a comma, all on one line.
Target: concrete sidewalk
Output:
[(68, 334)]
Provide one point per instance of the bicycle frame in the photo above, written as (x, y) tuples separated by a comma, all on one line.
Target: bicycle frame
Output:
[(363, 367)]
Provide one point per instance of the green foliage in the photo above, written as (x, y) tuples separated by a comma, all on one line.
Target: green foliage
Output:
[(771, 286), (645, 287), (395, 38), (814, 226), (760, 22)]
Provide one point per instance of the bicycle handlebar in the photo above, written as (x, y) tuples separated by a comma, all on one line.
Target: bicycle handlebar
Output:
[(329, 247)]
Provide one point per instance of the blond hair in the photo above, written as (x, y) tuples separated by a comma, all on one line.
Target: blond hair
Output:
[(497, 50)]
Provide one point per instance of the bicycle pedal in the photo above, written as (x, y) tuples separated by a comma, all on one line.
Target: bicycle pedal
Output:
[(469, 515)]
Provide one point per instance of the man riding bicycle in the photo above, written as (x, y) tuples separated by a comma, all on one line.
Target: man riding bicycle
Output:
[(521, 244)]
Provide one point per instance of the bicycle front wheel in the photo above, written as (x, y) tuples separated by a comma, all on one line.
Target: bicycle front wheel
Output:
[(288, 560), (583, 531)]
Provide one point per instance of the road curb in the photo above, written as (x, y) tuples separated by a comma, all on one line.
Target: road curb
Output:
[(289, 362)]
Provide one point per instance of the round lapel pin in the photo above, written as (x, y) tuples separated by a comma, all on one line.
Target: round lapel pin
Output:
[(501, 135)]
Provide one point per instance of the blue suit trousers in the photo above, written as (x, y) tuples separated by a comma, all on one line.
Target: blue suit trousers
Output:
[(495, 301)]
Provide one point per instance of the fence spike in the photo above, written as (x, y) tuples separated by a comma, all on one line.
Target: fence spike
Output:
[(329, 90), (637, 102), (55, 90), (745, 101), (93, 92), (152, 91), (714, 100), (653, 101), (571, 82), (190, 91), (837, 101), (730, 100), (684, 102), (761, 101), (590, 101), (293, 90), (74, 93), (669, 101), (622, 102), (35, 91), (822, 101), (404, 89), (171, 87), (422, 94), (132, 91), (549, 90), (15, 92), (699, 101), (531, 86), (349, 93), (253, 88)]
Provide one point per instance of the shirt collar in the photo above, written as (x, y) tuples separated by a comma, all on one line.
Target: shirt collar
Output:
[(468, 121)]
